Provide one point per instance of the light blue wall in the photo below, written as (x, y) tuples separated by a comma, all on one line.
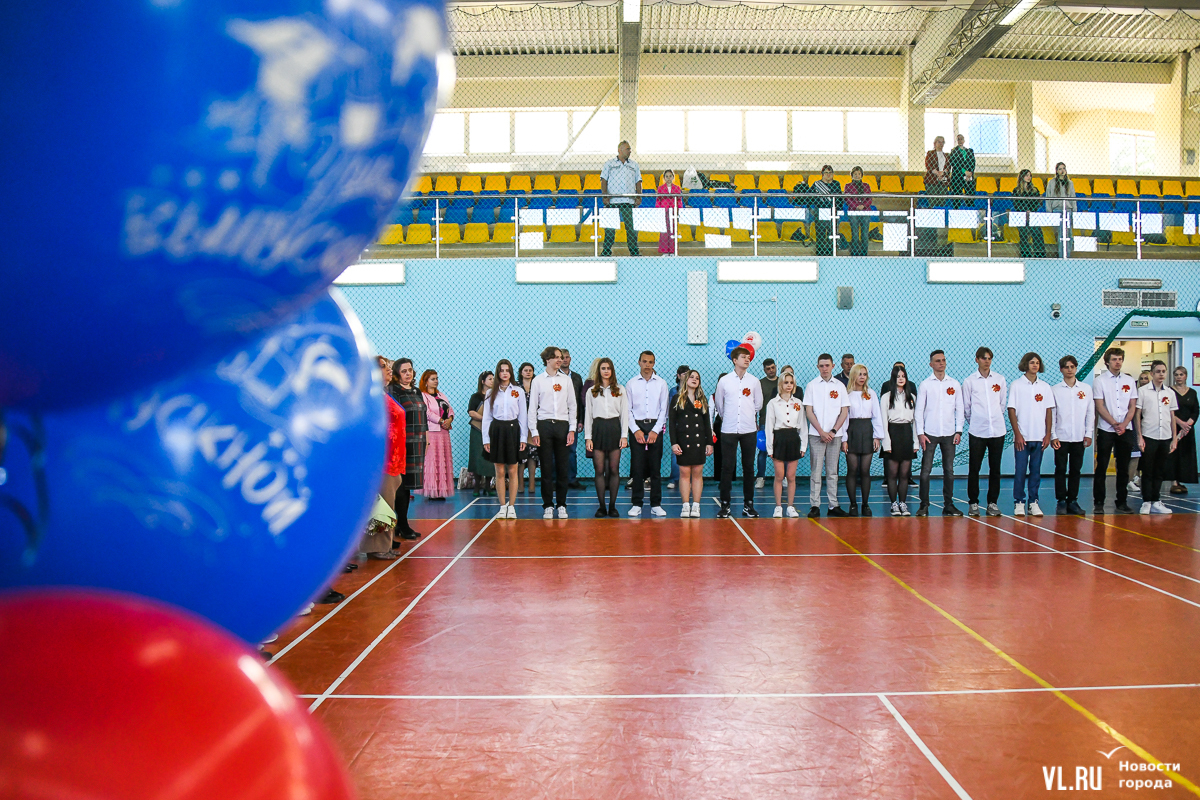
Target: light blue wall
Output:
[(460, 316)]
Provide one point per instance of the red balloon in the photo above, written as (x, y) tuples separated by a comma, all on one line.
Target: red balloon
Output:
[(749, 347), (110, 696)]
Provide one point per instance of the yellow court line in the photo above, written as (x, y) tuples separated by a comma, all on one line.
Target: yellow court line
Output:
[(1139, 533), (1101, 724)]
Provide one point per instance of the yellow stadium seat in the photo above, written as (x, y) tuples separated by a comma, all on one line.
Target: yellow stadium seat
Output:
[(504, 232), (1176, 236), (1082, 186), (648, 236), (870, 181), (813, 178), (702, 230), (791, 180), (738, 234), (842, 180), (392, 234), (495, 183), (1172, 187), (914, 184), (520, 183), (591, 183), (424, 185), (587, 232), (1149, 188), (768, 182), (1103, 186), (419, 233), (620, 237), (450, 233), (960, 235), (744, 183), (891, 184), (470, 183), (1127, 186), (1037, 184), (569, 183), (1008, 183), (446, 183), (563, 234), (544, 183), (785, 234), (685, 233), (719, 176), (649, 181), (475, 233), (1193, 188), (986, 184), (767, 232)]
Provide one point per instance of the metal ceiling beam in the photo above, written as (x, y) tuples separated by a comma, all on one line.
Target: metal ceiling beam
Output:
[(977, 34)]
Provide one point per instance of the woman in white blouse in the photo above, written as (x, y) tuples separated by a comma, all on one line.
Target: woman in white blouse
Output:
[(1157, 435), (898, 407), (786, 432), (862, 433), (504, 423), (605, 422)]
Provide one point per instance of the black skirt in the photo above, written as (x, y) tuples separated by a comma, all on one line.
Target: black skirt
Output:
[(606, 434), (505, 444), (901, 434), (785, 445), (860, 437)]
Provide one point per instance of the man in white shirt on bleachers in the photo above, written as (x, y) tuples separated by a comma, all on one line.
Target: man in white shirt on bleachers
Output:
[(621, 176)]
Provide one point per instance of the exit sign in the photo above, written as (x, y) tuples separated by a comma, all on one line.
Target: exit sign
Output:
[(1140, 323)]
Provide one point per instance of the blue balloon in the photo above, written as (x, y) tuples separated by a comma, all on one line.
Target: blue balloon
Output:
[(179, 175), (236, 491), (732, 343), (762, 441)]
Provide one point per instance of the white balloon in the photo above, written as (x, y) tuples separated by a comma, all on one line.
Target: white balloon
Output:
[(753, 338)]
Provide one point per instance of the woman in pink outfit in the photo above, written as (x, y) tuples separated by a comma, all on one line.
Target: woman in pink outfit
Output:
[(669, 196), (439, 461)]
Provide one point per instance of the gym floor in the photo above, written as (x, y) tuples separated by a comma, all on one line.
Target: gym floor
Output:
[(763, 658)]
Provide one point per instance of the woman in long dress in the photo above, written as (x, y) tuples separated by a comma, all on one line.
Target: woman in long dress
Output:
[(1182, 465), (438, 482), (408, 396), (670, 197)]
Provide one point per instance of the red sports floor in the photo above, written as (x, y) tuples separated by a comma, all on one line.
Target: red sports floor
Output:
[(705, 658)]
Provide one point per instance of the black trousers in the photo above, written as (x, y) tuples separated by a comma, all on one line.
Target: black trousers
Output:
[(1153, 464), (553, 453), (946, 443), (977, 446), (625, 210), (1068, 464), (645, 459), (729, 448), (1106, 443)]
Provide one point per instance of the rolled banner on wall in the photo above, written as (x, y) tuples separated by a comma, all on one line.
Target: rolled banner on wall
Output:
[(180, 176), (235, 491)]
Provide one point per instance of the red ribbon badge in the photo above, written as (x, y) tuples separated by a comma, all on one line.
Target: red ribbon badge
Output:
[(1081, 395), (949, 390), (1037, 398), (514, 393), (833, 394), (995, 388), (558, 387), (745, 392)]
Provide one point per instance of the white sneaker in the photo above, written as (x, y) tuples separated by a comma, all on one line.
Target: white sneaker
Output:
[(792, 513), (1137, 479), (760, 483), (1019, 510), (671, 485), (308, 609), (1145, 509), (657, 511), (635, 511), (1034, 509), (1133, 487), (512, 512), (687, 511), (1158, 508), (778, 513), (895, 508), (548, 513), (696, 510), (562, 512), (904, 512)]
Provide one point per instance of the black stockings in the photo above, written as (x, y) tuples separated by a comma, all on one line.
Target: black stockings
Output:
[(403, 498), (611, 481), (858, 473), (898, 472)]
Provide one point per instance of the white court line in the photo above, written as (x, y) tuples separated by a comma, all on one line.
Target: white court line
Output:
[(945, 773), (354, 664), (366, 586), (756, 695), (740, 528), (1089, 563), (772, 555)]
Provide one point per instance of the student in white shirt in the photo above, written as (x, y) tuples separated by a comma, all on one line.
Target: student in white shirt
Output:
[(1116, 403), (1074, 415), (504, 434), (938, 419), (737, 401), (898, 406), (862, 433), (827, 405), (552, 429), (647, 424), (786, 432), (1157, 435), (984, 395), (605, 426), (1030, 409)]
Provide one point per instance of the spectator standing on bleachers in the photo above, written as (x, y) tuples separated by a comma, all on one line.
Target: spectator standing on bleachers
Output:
[(669, 196), (824, 228), (937, 167), (799, 190), (1026, 199), (619, 178), (962, 162), (860, 226), (1060, 197)]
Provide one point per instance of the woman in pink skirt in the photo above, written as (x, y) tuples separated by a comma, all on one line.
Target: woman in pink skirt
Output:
[(439, 462), (669, 196)]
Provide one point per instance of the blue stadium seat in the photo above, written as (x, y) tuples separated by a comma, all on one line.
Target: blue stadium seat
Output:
[(698, 200), (457, 215), (777, 198), (425, 215), (724, 198)]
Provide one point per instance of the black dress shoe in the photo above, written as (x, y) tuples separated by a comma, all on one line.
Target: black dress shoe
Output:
[(348, 568), (951, 511), (409, 535), (332, 597), (724, 513), (923, 511), (1060, 508), (748, 511), (852, 511), (814, 512), (1123, 508), (1098, 508), (866, 511), (1075, 508), (836, 511), (601, 512), (612, 510)]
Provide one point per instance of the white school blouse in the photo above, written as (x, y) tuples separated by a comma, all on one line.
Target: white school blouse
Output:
[(1155, 407), (983, 404), (783, 414), (551, 397), (864, 408), (508, 404), (605, 407), (895, 416)]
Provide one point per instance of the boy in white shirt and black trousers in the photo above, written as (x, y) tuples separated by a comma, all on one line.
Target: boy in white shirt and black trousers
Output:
[(737, 401), (647, 395), (552, 417), (984, 393), (1030, 406), (827, 404), (1157, 435), (1115, 394), (1074, 415), (938, 419)]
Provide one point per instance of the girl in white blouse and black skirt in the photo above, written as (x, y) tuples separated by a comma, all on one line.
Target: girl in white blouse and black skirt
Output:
[(898, 406), (504, 436), (786, 431), (861, 437), (605, 421)]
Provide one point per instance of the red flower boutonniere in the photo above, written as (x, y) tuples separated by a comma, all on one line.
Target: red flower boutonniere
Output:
[(796, 406), (1166, 401), (1037, 398), (515, 394), (745, 392), (950, 390), (995, 388), (1125, 388), (697, 404), (558, 387), (833, 394), (1080, 395)]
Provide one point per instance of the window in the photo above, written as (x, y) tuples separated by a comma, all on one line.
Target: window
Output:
[(714, 130), (660, 130), (540, 131), (939, 123), (986, 133), (1041, 152), (1131, 152), (489, 132), (601, 135), (817, 131), (447, 134), (766, 131), (873, 132)]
